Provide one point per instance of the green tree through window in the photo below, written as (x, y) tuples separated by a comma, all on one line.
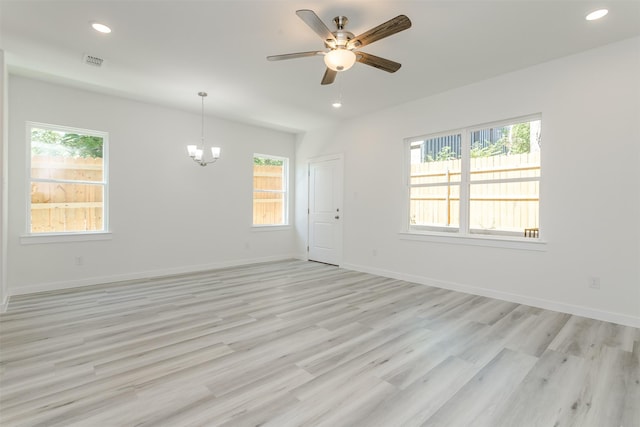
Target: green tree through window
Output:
[(55, 143)]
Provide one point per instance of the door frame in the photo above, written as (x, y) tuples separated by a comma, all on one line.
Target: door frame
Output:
[(325, 158)]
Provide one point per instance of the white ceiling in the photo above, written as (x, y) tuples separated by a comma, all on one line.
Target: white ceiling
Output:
[(165, 52)]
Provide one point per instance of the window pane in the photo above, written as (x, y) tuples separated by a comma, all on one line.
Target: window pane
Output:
[(66, 168), (435, 206), (268, 208), (66, 156), (525, 165), (436, 160), (511, 207), (505, 152), (268, 177), (57, 207), (269, 190)]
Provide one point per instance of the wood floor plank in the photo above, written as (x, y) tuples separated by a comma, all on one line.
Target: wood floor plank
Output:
[(543, 331), (424, 396), (494, 383), (600, 391), (631, 411), (547, 393), (358, 393), (579, 337), (294, 343), (374, 362), (213, 409)]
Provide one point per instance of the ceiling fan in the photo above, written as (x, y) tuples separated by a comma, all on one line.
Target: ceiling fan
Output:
[(343, 44)]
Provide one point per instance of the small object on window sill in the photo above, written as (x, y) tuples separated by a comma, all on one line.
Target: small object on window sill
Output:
[(531, 232)]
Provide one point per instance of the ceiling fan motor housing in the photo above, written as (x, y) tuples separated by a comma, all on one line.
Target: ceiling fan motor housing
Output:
[(342, 37)]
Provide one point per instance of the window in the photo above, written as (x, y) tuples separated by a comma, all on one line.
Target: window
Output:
[(270, 190), (67, 180), (478, 180)]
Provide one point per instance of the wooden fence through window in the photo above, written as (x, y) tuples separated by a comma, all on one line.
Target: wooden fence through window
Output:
[(268, 197), (78, 206), (66, 205), (510, 206)]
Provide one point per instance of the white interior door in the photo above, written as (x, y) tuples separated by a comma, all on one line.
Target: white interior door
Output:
[(325, 211)]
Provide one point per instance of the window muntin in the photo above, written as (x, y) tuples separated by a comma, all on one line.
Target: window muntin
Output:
[(67, 180), (498, 189), (270, 190)]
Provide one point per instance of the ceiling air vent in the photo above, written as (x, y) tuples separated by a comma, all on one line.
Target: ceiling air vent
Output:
[(92, 60)]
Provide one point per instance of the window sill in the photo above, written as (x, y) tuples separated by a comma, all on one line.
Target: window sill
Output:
[(528, 244), (270, 227), (35, 239)]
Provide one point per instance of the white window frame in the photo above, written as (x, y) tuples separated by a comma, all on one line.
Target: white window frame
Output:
[(64, 236), (284, 191), (463, 233)]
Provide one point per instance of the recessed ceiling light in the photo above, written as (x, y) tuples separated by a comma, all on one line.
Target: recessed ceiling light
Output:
[(101, 28), (596, 14)]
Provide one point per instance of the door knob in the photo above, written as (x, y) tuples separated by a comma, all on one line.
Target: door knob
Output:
[(337, 217)]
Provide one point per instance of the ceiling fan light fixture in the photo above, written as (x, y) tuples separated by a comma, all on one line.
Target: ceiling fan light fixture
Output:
[(340, 59)]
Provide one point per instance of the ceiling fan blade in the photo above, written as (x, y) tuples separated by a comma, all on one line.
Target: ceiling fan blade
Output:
[(389, 28), (294, 55), (377, 62), (329, 77), (311, 19)]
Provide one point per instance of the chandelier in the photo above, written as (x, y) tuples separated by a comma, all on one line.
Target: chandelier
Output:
[(196, 152)]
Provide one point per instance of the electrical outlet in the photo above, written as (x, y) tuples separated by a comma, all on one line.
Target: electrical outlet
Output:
[(78, 260), (594, 282), (374, 252)]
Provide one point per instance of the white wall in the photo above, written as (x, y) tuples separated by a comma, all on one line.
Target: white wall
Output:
[(590, 208), (4, 291), (167, 214)]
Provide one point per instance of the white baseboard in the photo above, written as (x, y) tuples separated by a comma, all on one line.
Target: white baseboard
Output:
[(99, 280), (577, 310), (302, 256)]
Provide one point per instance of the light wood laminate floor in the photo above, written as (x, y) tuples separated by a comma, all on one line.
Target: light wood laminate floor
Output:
[(298, 343)]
